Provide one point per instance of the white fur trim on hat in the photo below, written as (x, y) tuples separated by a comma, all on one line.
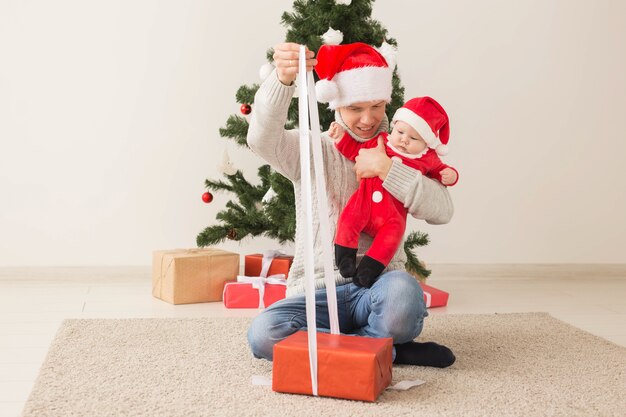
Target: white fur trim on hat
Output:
[(419, 124), (361, 84), (326, 91)]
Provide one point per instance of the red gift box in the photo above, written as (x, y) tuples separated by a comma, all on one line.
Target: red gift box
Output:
[(434, 297), (245, 295), (350, 367), (254, 263)]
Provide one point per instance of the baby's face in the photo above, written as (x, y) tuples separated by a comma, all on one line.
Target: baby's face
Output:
[(406, 139)]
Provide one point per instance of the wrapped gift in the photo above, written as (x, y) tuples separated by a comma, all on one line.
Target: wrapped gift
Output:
[(254, 292), (183, 276), (256, 289), (434, 297), (350, 367), (254, 264)]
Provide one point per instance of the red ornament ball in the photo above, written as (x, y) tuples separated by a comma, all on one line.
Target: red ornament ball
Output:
[(207, 197), (246, 109)]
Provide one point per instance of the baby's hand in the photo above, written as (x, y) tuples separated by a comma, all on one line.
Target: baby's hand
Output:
[(448, 176), (336, 131)]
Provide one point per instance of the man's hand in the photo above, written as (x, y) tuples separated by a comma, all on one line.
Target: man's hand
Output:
[(286, 61), (373, 162), (335, 131), (448, 176)]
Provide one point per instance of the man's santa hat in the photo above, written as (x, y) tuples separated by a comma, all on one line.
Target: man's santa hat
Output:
[(429, 119), (352, 73)]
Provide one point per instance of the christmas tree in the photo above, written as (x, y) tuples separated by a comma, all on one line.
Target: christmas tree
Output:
[(269, 208)]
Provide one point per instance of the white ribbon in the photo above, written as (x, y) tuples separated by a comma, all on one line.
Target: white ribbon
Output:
[(259, 283), (405, 385), (322, 206), (307, 204), (428, 298), (268, 257), (307, 105)]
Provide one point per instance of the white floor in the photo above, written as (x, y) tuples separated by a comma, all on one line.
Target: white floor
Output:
[(34, 301)]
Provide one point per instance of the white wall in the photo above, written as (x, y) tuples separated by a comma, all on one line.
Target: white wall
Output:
[(109, 114)]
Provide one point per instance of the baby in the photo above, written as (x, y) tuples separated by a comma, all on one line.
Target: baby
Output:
[(419, 135)]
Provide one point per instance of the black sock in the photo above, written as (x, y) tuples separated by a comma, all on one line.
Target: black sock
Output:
[(345, 258), (424, 354), (367, 272)]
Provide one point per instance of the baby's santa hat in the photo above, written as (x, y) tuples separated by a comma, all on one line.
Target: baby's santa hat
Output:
[(352, 73), (429, 119)]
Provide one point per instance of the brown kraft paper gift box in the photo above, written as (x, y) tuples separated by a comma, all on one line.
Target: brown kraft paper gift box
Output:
[(183, 276)]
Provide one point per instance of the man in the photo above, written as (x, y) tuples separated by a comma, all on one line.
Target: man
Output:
[(393, 306)]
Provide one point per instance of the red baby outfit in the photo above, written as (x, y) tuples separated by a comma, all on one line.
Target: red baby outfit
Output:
[(372, 209)]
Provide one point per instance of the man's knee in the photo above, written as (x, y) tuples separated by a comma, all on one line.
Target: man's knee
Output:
[(400, 288), (258, 338), (401, 305), (265, 331)]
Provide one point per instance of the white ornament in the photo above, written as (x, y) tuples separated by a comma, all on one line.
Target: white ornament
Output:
[(344, 2), (227, 166), (389, 52), (265, 70), (269, 195), (332, 37), (377, 197)]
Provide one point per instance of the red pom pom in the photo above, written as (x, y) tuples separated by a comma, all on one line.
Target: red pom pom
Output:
[(207, 197), (245, 109)]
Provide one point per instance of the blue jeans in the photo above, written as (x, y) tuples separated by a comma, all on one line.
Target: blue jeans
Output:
[(393, 307)]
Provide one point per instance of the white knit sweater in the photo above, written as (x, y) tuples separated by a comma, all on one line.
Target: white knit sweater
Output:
[(425, 198)]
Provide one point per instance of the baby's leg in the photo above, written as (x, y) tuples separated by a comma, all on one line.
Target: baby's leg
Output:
[(386, 242), (352, 221)]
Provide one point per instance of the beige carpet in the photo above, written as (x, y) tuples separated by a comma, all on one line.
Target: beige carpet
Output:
[(507, 364)]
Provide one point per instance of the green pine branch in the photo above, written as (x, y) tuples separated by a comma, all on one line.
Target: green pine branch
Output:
[(237, 129), (245, 94), (397, 96), (413, 264), (280, 210), (249, 216), (265, 173), (217, 185), (212, 235)]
